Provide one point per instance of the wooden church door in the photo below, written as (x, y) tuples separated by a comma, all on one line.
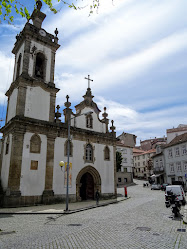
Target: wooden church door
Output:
[(87, 188)]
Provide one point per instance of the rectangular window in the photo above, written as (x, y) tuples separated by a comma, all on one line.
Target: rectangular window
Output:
[(124, 160), (143, 156), (156, 163), (184, 150), (161, 163), (34, 165), (185, 165), (125, 179), (125, 170), (179, 166), (177, 151), (158, 150), (139, 164), (119, 179), (171, 168), (135, 164), (143, 162), (170, 153)]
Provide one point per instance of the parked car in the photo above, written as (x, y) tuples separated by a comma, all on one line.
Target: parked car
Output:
[(155, 186), (176, 190), (163, 186)]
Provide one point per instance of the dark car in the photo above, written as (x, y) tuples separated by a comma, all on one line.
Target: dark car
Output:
[(163, 186)]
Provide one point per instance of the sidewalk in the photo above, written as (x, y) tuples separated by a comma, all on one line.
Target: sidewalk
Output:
[(60, 208)]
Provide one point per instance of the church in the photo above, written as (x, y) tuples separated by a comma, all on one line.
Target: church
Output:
[(35, 139)]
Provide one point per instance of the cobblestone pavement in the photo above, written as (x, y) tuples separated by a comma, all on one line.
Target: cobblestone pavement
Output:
[(142, 221)]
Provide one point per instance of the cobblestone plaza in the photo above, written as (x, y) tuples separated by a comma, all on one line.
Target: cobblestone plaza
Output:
[(142, 221)]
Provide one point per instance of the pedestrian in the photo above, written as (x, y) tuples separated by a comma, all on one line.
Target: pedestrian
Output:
[(97, 196)]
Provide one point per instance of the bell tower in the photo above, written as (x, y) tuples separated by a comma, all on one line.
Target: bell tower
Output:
[(32, 93)]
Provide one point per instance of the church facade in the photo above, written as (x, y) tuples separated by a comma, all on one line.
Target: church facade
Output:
[(35, 140)]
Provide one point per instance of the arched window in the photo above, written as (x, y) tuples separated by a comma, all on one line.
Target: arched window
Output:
[(35, 144), (89, 121), (40, 66), (89, 152), (106, 153), (70, 148), (7, 145), (18, 66)]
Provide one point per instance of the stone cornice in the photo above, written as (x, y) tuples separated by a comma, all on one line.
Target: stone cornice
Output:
[(23, 124), (26, 80), (31, 31)]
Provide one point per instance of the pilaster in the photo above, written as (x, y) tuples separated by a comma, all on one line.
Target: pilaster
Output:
[(48, 193), (26, 56), (15, 161), (20, 108), (52, 107), (52, 66)]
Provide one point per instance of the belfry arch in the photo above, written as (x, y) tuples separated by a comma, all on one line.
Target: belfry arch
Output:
[(87, 182)]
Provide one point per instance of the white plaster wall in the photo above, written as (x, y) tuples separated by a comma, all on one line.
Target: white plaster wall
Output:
[(174, 160), (21, 50), (33, 181), (12, 104), (6, 163), (104, 168), (80, 121), (47, 52), (126, 152), (171, 136), (37, 103)]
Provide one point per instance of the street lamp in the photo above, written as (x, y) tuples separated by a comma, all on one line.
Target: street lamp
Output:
[(68, 154)]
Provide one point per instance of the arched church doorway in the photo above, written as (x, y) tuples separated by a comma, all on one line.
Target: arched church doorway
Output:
[(87, 187), (87, 182)]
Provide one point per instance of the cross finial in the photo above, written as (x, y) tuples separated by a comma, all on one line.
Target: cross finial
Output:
[(58, 107), (88, 80), (67, 97)]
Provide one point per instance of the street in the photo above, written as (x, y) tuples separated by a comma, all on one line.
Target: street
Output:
[(142, 221)]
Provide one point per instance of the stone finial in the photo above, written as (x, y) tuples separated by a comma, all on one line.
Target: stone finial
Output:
[(39, 5), (112, 128), (105, 115), (56, 32), (67, 103), (57, 114), (37, 16)]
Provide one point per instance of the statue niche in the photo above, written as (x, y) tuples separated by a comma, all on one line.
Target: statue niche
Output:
[(40, 66)]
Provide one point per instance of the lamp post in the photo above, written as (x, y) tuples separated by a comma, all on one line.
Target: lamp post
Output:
[(68, 155)]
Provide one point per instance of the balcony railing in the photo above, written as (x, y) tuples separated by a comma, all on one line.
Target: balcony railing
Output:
[(158, 170)]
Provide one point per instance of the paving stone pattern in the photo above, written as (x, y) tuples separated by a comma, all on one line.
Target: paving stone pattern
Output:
[(142, 221)]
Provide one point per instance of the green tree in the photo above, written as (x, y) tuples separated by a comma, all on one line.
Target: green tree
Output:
[(20, 8), (118, 161)]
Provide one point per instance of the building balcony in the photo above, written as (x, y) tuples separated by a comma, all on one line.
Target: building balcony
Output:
[(158, 170)]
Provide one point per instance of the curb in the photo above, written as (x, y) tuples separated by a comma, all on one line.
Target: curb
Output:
[(65, 212)]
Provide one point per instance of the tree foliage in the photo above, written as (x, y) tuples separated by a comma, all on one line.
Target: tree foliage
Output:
[(118, 161), (8, 7)]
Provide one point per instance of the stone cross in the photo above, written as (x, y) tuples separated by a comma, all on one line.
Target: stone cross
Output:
[(88, 80)]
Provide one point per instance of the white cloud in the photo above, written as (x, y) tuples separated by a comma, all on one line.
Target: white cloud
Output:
[(6, 72)]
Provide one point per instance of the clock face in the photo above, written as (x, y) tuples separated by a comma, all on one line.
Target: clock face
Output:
[(42, 32)]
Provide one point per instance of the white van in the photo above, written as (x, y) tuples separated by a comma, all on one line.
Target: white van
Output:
[(178, 191)]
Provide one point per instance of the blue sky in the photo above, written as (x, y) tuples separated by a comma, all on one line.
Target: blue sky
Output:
[(134, 50)]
